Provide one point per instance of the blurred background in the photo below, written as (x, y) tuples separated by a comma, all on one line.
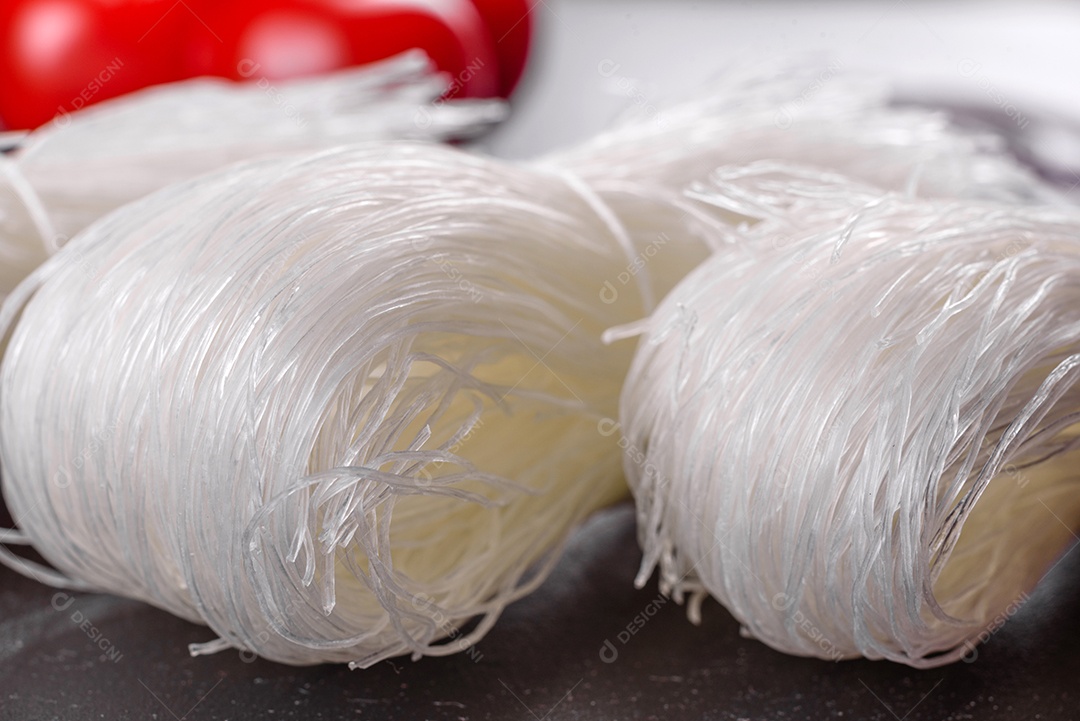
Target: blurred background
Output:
[(570, 66), (593, 58)]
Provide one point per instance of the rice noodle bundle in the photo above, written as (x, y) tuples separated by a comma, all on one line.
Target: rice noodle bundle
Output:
[(337, 407), (860, 429), (82, 165)]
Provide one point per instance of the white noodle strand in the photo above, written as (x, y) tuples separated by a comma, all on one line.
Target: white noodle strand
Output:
[(860, 430), (343, 406), (83, 165)]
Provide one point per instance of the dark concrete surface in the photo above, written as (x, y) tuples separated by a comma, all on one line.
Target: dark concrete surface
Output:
[(103, 657)]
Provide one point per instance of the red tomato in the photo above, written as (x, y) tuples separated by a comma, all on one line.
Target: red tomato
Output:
[(288, 38), (61, 55), (510, 25)]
